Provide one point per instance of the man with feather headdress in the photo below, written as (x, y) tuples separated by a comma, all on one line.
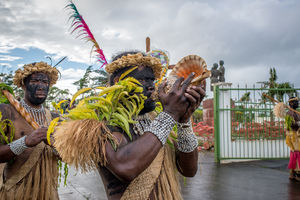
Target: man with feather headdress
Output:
[(31, 165), (144, 162), (144, 168), (132, 149)]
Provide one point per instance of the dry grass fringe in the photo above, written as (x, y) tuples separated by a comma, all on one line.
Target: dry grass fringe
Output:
[(168, 184), (160, 180), (81, 143), (39, 184), (279, 110)]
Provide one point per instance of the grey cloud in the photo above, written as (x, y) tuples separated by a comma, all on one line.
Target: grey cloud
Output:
[(250, 36)]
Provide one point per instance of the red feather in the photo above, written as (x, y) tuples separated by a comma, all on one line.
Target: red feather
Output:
[(79, 23)]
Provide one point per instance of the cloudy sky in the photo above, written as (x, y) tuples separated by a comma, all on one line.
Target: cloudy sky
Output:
[(251, 36)]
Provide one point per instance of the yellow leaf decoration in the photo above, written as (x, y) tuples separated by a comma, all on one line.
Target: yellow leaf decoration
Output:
[(79, 92), (126, 73), (51, 127), (58, 106), (115, 105)]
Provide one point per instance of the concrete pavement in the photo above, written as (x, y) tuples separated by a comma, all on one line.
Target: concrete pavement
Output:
[(263, 179), (82, 186)]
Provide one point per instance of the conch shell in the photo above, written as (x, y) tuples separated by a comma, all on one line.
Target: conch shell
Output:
[(184, 68)]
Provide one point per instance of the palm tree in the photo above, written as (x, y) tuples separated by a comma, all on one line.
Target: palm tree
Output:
[(273, 78), (290, 90), (272, 83)]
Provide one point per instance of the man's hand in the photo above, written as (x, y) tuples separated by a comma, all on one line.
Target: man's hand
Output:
[(175, 103), (36, 137), (195, 95)]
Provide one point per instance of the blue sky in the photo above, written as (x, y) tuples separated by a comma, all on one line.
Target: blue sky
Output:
[(32, 54), (251, 36)]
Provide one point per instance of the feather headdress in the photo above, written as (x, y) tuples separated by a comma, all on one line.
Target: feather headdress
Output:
[(79, 23)]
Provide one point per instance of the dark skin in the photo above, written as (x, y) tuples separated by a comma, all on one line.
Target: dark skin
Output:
[(36, 90), (295, 116), (294, 125), (133, 157)]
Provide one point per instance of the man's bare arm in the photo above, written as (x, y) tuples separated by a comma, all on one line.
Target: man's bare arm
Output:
[(132, 158), (187, 163), (37, 136)]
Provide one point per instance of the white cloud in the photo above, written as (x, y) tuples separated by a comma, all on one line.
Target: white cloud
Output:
[(69, 76), (5, 66), (250, 36), (8, 58)]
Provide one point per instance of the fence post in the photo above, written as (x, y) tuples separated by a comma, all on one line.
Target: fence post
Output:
[(216, 124)]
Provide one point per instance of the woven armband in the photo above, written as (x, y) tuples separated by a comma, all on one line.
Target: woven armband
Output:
[(18, 146), (187, 140), (161, 126)]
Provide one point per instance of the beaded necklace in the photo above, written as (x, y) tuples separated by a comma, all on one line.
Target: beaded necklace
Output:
[(39, 115)]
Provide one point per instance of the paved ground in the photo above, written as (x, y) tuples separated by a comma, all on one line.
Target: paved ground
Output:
[(255, 180)]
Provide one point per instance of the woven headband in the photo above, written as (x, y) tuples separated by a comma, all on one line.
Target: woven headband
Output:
[(40, 67)]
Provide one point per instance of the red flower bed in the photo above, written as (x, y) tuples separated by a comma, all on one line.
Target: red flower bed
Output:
[(269, 130), (205, 136), (252, 131)]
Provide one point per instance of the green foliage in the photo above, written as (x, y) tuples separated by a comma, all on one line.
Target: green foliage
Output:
[(276, 91), (3, 86), (5, 124), (198, 116), (92, 78), (288, 122), (243, 116), (101, 79), (85, 80), (55, 92), (115, 105), (7, 78), (280, 93), (246, 97), (66, 171)]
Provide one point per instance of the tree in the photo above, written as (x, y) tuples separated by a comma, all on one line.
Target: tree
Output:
[(277, 90), (92, 78), (55, 92), (85, 80), (102, 79), (290, 91), (246, 97), (7, 78), (273, 78)]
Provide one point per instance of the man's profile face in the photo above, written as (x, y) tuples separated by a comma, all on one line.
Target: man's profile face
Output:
[(294, 104), (146, 77), (37, 88)]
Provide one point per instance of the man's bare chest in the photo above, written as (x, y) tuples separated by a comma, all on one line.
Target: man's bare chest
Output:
[(20, 126)]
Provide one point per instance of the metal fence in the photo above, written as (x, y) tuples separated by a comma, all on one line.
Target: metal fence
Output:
[(245, 126)]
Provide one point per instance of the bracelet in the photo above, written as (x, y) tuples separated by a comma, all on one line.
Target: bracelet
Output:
[(187, 140), (184, 125), (18, 146), (161, 126)]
